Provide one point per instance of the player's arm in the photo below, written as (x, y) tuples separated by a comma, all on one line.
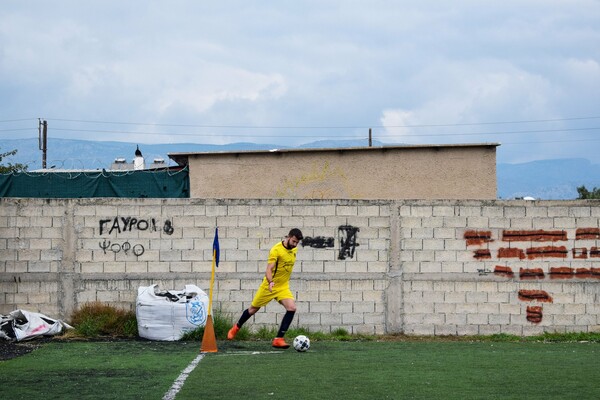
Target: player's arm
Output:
[(269, 275)]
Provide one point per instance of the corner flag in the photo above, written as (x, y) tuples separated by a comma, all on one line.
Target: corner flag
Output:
[(216, 249), (209, 342)]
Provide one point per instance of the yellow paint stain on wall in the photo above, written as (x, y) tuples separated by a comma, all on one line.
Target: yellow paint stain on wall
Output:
[(322, 182)]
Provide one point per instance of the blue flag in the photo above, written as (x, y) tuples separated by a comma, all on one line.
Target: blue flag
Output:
[(216, 250)]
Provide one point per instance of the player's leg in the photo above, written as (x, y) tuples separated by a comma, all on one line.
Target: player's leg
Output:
[(250, 311), (262, 297), (290, 309)]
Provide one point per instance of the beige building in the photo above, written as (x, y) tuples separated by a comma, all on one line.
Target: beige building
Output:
[(462, 171)]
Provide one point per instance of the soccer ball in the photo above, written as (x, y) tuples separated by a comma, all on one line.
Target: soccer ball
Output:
[(301, 343)]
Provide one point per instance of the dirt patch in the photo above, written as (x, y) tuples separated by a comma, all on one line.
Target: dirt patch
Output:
[(9, 350)]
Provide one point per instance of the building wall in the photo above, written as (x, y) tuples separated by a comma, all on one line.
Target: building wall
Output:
[(391, 173), (443, 267)]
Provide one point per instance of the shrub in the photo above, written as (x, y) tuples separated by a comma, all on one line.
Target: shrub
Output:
[(98, 319)]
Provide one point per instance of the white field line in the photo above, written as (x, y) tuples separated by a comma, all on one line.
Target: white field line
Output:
[(178, 384)]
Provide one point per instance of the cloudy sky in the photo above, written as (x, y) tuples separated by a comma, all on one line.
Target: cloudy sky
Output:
[(523, 73)]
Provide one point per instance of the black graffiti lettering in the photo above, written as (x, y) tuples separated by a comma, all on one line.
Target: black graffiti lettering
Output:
[(319, 242), (168, 228), (125, 222), (102, 223), (138, 250), (347, 235), (104, 245), (114, 226), (142, 225)]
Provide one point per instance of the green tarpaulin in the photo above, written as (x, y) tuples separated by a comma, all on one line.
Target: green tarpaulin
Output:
[(83, 184)]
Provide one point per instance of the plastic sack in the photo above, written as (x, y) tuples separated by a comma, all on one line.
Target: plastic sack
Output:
[(24, 325), (168, 315)]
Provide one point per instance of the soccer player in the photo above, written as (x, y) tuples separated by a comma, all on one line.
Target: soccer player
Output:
[(276, 286)]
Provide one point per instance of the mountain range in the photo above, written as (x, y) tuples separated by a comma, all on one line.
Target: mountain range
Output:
[(552, 179)]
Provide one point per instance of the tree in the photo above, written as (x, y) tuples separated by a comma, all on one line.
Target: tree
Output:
[(5, 169), (586, 194)]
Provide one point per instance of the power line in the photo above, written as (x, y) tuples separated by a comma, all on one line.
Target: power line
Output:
[(18, 120), (325, 127), (320, 136)]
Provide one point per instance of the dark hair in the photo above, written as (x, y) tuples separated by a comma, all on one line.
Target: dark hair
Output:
[(297, 233)]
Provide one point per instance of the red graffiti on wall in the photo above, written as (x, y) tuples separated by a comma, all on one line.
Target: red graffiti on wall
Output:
[(587, 233), (538, 295), (531, 273), (478, 237), (534, 313)]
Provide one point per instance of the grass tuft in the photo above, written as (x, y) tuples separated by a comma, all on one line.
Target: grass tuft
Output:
[(221, 323), (98, 319)]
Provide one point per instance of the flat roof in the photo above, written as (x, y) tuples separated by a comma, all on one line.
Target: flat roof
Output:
[(181, 157)]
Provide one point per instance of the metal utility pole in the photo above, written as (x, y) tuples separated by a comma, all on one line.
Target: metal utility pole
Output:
[(43, 139)]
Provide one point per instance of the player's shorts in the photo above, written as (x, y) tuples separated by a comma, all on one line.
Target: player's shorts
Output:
[(263, 296)]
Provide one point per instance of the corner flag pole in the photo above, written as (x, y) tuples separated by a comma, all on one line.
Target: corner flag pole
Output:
[(209, 341)]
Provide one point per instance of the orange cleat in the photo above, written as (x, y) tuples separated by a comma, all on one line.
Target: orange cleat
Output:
[(279, 343), (233, 331)]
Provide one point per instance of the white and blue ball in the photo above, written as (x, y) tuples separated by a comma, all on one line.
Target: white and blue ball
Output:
[(301, 343)]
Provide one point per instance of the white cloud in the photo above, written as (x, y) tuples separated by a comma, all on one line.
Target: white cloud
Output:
[(304, 63)]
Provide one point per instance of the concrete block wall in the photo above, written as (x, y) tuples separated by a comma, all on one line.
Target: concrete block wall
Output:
[(58, 254), (514, 267), (415, 267)]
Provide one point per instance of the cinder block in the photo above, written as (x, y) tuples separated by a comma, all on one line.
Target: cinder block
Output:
[(476, 297), (363, 307), (310, 319), (329, 295), (114, 267), (445, 330), (323, 307), (455, 222), (378, 266), (351, 297), (454, 297), (456, 319), (331, 319), (422, 211), (419, 329), (557, 211), (39, 266), (499, 223), (352, 318), (443, 211), (521, 223), (467, 330), (214, 210), (477, 319)]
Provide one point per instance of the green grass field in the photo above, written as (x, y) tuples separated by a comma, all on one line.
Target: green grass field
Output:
[(329, 370)]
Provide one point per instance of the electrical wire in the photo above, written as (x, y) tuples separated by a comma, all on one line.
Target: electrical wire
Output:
[(325, 126)]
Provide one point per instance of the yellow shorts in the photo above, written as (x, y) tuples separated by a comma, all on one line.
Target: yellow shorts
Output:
[(264, 297)]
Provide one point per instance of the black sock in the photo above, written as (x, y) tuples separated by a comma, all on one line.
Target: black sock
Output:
[(285, 323), (245, 317)]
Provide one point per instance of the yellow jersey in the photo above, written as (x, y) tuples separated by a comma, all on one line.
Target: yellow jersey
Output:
[(284, 260)]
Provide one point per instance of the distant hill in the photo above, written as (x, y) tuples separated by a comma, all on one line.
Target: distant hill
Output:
[(547, 179), (555, 179)]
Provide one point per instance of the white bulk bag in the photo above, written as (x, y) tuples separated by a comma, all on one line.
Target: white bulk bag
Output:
[(167, 315)]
